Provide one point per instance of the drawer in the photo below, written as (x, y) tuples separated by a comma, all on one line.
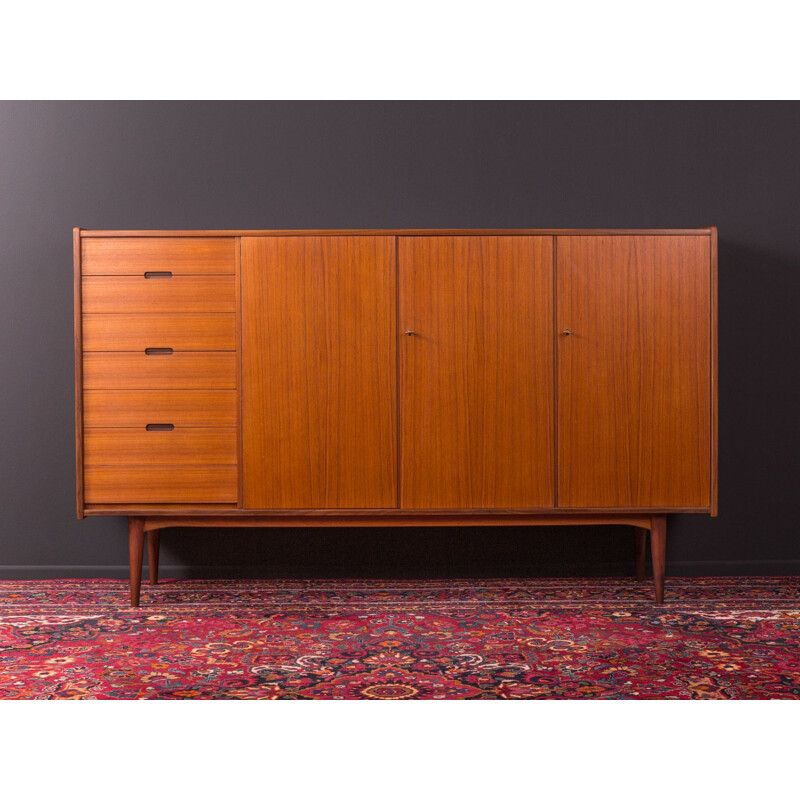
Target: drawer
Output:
[(130, 446), (160, 484), (179, 255), (110, 408), (175, 371), (183, 293), (139, 331)]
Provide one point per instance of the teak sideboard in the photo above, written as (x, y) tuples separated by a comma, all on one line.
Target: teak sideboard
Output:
[(396, 378)]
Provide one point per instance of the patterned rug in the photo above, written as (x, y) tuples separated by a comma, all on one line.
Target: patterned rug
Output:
[(540, 639)]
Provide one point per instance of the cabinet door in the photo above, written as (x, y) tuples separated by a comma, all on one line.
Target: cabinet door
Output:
[(477, 373), (319, 372), (634, 396)]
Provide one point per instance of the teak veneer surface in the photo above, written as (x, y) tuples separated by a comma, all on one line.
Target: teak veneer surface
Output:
[(132, 446), (139, 331), (476, 407), (205, 408), (181, 256), (175, 371), (115, 294), (634, 395), (295, 397), (319, 372), (161, 483)]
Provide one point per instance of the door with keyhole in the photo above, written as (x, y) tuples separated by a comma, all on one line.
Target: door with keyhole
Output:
[(633, 371), (476, 372)]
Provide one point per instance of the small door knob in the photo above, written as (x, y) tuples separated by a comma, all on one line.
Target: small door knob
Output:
[(567, 332), (410, 333)]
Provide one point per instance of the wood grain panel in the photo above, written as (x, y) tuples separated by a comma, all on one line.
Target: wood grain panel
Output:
[(181, 256), (158, 509), (176, 371), (477, 375), (240, 432), (120, 446), (161, 484), (115, 408), (634, 393), (122, 332), (318, 372), (189, 293)]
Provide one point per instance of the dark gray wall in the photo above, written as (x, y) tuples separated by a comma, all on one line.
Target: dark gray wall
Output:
[(365, 165)]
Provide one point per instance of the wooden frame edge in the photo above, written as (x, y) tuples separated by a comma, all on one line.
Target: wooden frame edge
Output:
[(78, 344), (412, 232), (714, 375), (377, 516), (410, 521), (239, 427)]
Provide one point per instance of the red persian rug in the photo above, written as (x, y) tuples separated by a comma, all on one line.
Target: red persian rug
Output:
[(540, 639)]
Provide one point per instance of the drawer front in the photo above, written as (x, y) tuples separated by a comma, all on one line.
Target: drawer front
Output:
[(120, 408), (160, 484), (130, 446), (175, 371), (181, 256), (134, 294), (139, 331)]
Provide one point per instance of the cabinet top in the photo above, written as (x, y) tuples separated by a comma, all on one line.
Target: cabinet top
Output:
[(418, 232)]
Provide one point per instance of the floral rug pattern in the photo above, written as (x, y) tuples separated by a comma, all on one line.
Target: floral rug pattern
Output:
[(715, 638)]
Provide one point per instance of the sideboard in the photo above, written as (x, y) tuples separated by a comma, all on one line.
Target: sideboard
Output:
[(395, 378)]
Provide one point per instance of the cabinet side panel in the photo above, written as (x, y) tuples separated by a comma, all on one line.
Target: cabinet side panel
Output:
[(318, 372), (714, 377), (76, 260), (634, 388)]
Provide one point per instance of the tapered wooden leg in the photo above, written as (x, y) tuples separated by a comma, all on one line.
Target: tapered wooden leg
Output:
[(153, 546), (640, 545), (136, 551), (658, 549)]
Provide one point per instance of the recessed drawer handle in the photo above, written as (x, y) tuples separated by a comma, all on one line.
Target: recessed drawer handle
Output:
[(158, 351), (158, 426), (165, 274)]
